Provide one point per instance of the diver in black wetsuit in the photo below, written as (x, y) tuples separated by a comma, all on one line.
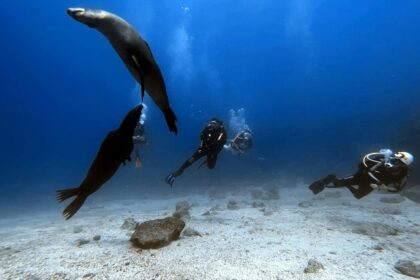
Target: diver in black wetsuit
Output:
[(139, 139), (241, 144), (213, 137), (382, 171), (140, 136)]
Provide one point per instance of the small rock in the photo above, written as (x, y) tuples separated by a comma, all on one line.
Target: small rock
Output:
[(256, 194), (391, 211), (267, 211), (59, 275), (212, 211), (272, 194), (392, 199), (207, 213), (305, 204), (408, 268), (81, 242), (375, 229), (378, 247), (346, 203), (313, 266), (88, 275), (96, 238), (157, 233), (258, 204), (232, 205), (77, 229), (188, 232), (129, 224)]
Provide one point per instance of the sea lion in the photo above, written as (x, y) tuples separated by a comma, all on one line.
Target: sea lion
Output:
[(135, 53), (114, 150)]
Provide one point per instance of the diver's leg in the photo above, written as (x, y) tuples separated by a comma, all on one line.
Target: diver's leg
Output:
[(196, 156), (170, 179), (343, 182), (358, 184), (138, 159), (360, 191), (211, 160), (318, 186)]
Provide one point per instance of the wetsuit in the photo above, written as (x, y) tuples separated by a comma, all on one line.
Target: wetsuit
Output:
[(213, 137), (139, 138), (375, 172)]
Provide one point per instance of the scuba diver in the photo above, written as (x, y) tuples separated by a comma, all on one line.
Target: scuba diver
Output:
[(383, 171), (241, 144), (213, 137), (140, 136)]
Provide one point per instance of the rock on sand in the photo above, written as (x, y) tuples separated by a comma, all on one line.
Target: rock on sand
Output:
[(157, 233)]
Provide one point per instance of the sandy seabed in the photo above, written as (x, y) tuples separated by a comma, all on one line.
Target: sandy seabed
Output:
[(352, 239)]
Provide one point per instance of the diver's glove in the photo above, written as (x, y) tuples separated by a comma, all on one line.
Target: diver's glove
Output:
[(170, 179)]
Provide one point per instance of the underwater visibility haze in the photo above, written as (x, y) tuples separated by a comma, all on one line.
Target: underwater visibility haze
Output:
[(319, 84)]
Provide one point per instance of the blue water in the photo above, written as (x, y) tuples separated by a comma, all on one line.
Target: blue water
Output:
[(322, 83)]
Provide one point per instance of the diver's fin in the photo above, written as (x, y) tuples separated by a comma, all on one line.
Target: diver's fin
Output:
[(317, 187), (139, 68), (67, 193), (74, 207), (171, 119)]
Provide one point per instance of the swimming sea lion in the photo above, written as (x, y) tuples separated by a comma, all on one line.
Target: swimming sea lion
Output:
[(114, 150), (135, 53)]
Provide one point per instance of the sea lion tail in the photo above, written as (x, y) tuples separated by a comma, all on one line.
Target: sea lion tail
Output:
[(67, 193), (74, 207), (171, 119)]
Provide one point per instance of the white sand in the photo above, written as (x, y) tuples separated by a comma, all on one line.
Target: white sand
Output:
[(236, 244)]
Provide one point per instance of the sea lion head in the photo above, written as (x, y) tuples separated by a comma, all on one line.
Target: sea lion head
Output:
[(90, 17), (130, 121)]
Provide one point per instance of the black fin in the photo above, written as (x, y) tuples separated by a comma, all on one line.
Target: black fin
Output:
[(317, 187), (140, 68), (73, 207), (142, 85), (67, 193), (171, 119)]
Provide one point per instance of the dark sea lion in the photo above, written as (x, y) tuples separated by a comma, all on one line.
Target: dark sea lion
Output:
[(114, 150), (135, 53)]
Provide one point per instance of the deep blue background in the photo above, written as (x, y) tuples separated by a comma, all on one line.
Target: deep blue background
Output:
[(322, 82)]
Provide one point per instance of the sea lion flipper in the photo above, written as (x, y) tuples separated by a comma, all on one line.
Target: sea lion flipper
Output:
[(136, 62), (148, 47), (74, 206), (142, 85), (171, 119)]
